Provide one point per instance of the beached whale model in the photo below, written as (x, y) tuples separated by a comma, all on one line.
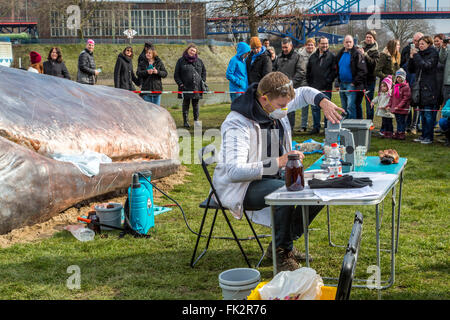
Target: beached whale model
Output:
[(42, 116)]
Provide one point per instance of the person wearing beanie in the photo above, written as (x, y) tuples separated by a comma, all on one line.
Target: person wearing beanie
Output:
[(382, 100), (36, 65), (399, 103), (87, 73), (259, 62), (369, 49)]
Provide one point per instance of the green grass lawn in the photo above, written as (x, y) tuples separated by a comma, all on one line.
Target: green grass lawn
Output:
[(158, 268)]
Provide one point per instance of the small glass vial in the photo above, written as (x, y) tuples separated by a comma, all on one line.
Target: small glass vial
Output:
[(294, 176)]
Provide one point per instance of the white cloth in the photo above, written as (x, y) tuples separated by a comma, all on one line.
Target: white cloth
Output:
[(31, 69), (87, 162), (240, 157)]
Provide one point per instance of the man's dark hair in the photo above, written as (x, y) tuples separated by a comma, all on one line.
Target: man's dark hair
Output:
[(321, 38), (286, 40)]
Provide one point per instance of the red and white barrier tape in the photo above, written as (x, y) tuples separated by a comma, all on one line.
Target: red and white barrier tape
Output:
[(215, 92)]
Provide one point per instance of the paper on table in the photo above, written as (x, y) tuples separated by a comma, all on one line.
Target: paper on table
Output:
[(327, 194)]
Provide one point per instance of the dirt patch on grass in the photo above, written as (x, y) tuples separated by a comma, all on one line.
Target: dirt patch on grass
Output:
[(56, 224)]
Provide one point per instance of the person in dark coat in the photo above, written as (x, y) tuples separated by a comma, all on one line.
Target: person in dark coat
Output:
[(259, 63), (87, 73), (369, 49), (438, 43), (389, 61), (151, 71), (289, 62), (273, 57), (424, 64), (411, 122), (190, 75), (321, 72), (142, 57), (55, 66), (123, 71), (351, 72)]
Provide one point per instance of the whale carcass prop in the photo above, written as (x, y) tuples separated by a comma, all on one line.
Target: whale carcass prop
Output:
[(42, 116)]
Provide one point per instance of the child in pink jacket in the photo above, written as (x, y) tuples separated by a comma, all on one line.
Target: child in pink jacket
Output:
[(399, 103)]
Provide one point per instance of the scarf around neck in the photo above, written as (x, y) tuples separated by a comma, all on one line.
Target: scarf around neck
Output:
[(190, 59)]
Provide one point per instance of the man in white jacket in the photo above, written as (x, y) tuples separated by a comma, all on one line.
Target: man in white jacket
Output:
[(256, 142)]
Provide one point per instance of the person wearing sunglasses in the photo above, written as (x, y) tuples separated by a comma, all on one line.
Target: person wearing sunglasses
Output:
[(256, 142), (123, 71)]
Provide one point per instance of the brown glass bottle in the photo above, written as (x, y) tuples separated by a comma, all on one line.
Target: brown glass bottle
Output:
[(294, 176), (94, 225)]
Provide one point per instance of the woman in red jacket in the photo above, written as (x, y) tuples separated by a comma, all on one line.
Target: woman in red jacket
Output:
[(399, 103)]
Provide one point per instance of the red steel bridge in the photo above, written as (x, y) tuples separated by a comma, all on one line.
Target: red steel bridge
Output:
[(19, 25), (330, 13)]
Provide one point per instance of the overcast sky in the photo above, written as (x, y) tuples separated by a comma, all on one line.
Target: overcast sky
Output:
[(441, 25)]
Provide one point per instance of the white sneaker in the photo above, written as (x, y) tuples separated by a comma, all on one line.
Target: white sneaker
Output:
[(426, 141), (419, 139), (197, 123)]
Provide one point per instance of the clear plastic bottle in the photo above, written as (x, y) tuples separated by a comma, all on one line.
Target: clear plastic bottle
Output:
[(335, 166)]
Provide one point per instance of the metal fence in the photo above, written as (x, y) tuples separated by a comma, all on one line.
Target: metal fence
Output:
[(211, 42)]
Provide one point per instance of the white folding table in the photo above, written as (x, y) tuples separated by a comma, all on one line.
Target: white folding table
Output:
[(385, 179)]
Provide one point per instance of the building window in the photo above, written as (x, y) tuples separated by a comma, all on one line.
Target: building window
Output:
[(184, 20), (147, 23), (106, 23), (160, 23)]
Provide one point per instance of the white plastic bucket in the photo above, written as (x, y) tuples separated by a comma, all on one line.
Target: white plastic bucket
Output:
[(110, 216), (238, 283)]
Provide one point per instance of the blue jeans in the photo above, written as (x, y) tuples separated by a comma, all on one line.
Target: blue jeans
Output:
[(233, 96), (348, 99), (288, 219), (401, 122), (328, 94), (153, 98), (359, 99), (443, 123), (369, 95), (428, 119), (315, 115)]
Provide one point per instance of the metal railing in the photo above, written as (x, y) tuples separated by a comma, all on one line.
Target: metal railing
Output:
[(18, 20)]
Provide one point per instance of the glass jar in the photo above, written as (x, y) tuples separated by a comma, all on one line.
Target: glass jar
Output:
[(294, 175)]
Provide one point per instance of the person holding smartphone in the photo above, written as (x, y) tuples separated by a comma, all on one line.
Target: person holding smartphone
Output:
[(151, 71)]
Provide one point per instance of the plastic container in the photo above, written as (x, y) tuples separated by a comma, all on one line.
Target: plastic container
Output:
[(110, 214), (335, 165), (83, 234), (327, 293), (360, 129), (237, 284)]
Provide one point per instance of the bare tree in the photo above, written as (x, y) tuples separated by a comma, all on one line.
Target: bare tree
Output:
[(406, 28), (256, 10)]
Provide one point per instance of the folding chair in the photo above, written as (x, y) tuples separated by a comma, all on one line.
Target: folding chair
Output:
[(349, 264), (210, 203)]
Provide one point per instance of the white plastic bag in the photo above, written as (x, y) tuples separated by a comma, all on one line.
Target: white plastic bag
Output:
[(88, 162), (300, 284)]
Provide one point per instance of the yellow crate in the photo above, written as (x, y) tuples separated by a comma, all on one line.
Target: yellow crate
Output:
[(328, 293)]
